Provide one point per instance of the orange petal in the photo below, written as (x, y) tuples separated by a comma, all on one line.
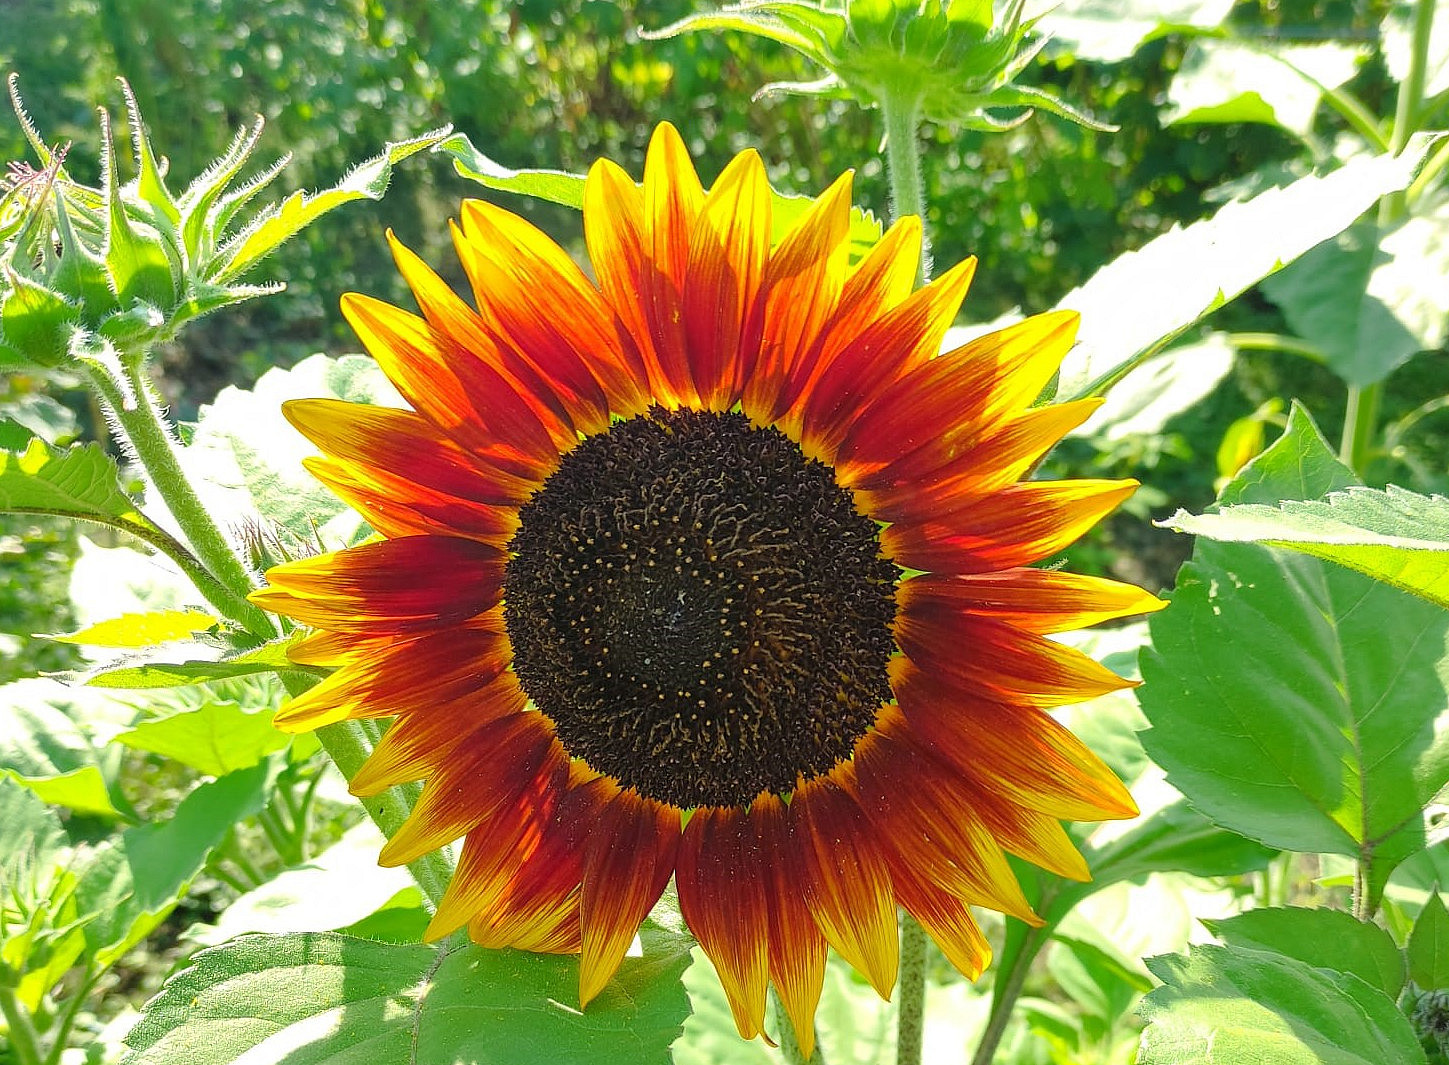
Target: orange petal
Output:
[(845, 881), (1017, 752), (724, 898), (940, 475), (495, 850), (962, 393), (923, 818), (796, 947), (392, 676), (946, 919), (729, 244), (538, 909), (404, 585), (878, 284), (498, 762), (890, 347), (469, 398), (628, 860), (407, 446), (1018, 524), (417, 744), (802, 285), (521, 279), (1035, 600), (397, 507), (981, 656)]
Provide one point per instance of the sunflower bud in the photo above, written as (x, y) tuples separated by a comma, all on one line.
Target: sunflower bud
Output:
[(122, 267), (952, 60)]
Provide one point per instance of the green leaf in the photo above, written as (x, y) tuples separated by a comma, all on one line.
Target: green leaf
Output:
[(1294, 701), (36, 321), (1428, 948), (1325, 297), (340, 887), (1324, 939), (1161, 389), (324, 997), (1184, 274), (141, 630), (1227, 80), (47, 744), (368, 180), (32, 840), (567, 189), (132, 884), (217, 739), (1395, 536), (1232, 1005), (1111, 30), (78, 482), (269, 658)]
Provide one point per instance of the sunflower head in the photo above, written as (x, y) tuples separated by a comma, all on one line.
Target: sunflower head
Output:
[(710, 568)]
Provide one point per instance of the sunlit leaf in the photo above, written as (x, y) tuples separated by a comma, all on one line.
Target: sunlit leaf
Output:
[(1179, 277), (80, 481), (31, 837), (324, 997), (1235, 1005), (1295, 701), (1322, 938), (1396, 536), (1223, 81), (216, 739), (368, 180), (1161, 389), (141, 630), (1428, 949), (1111, 30), (269, 658), (48, 745)]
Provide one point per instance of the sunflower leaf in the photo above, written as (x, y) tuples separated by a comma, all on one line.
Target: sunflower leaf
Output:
[(1428, 949), (1322, 938), (141, 630), (314, 997), (1395, 536), (1295, 701), (271, 657), (1233, 1004), (1137, 302), (217, 738)]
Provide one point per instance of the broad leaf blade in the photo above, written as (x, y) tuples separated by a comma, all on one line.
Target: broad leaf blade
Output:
[(1144, 297), (141, 630), (1322, 938), (1234, 1005), (1395, 536), (322, 997), (216, 739), (76, 482), (1294, 701), (1428, 949)]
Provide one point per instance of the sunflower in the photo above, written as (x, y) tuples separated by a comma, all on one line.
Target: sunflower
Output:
[(710, 568)]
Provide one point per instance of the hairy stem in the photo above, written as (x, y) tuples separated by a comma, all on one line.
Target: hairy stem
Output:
[(790, 1048), (911, 993), (24, 1043), (149, 436), (903, 161)]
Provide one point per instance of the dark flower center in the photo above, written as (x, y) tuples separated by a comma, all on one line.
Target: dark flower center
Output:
[(700, 609)]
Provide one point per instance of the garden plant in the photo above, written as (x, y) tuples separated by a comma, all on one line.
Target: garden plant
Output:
[(848, 531)]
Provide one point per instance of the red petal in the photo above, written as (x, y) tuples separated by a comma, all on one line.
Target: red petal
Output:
[(981, 656), (1018, 524), (499, 761), (1035, 600), (406, 585), (728, 248), (946, 919), (796, 947), (846, 882), (724, 898), (628, 860)]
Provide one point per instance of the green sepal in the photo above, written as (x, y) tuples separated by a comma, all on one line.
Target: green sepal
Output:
[(139, 266), (36, 321)]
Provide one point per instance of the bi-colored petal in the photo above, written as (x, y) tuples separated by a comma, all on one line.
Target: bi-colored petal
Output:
[(1035, 600)]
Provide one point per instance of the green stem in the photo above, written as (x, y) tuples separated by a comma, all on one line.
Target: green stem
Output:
[(232, 849), (150, 438), (903, 161), (1364, 905), (1007, 994), (277, 835), (65, 1019), (790, 1048), (346, 743), (1276, 342), (911, 1016), (24, 1043), (1359, 421)]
